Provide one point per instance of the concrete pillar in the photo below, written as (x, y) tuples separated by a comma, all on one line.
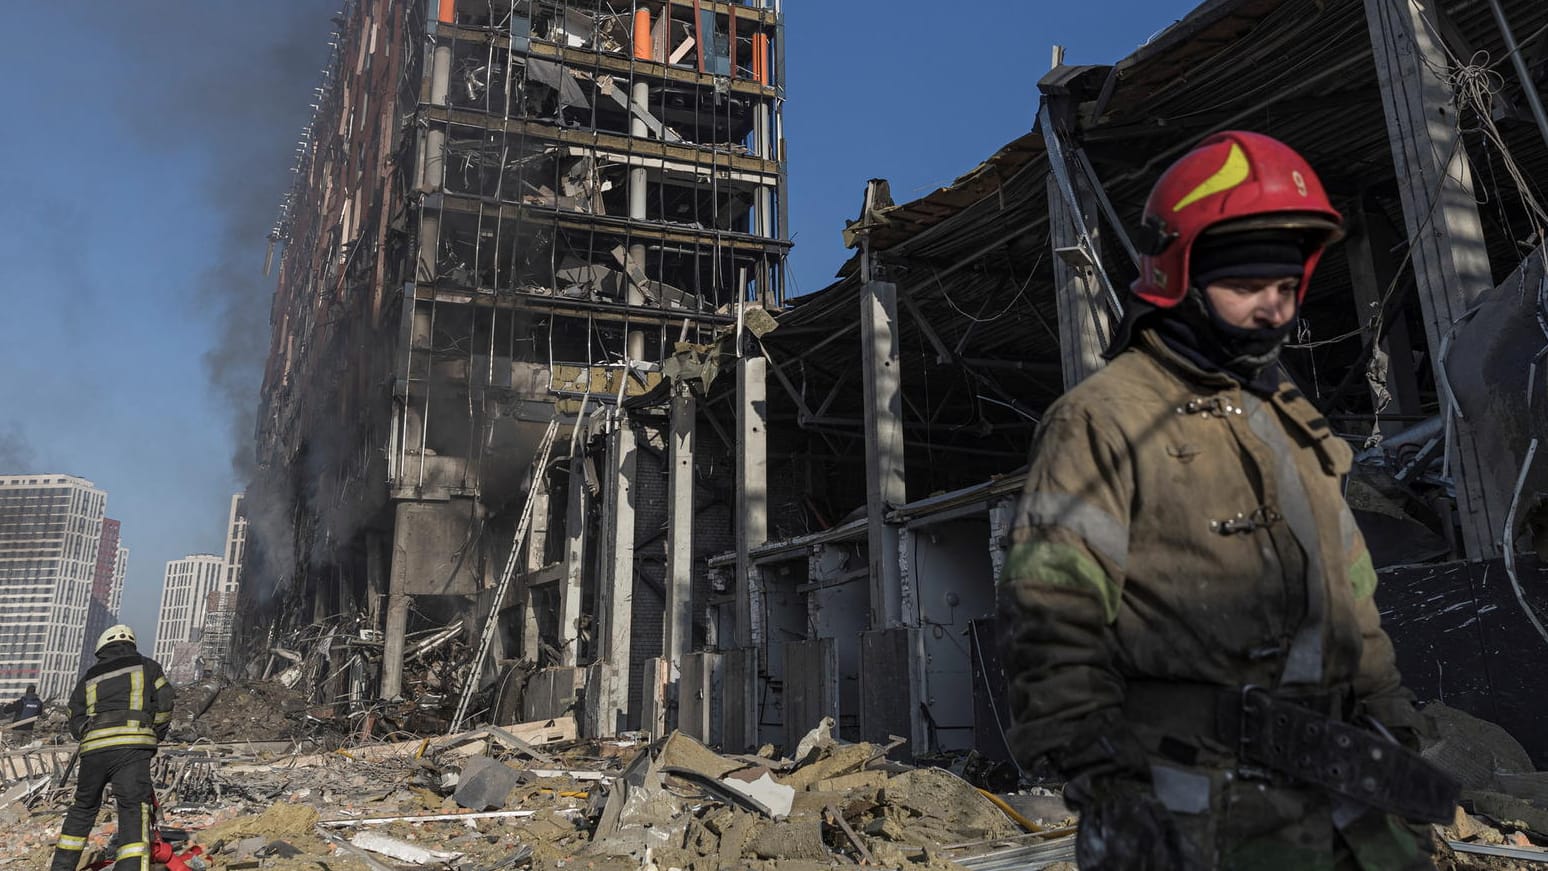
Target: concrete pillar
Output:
[(752, 493), (883, 447), (440, 74), (1084, 321), (638, 190), (616, 592), (678, 637), (574, 561), (397, 616), (536, 555), (1451, 261)]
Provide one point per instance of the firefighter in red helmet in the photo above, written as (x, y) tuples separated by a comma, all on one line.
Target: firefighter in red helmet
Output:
[(1186, 612)]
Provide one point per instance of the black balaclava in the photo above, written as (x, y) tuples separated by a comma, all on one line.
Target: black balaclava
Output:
[(1195, 331)]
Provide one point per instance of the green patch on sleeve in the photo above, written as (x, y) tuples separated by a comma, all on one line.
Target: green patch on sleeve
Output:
[(1065, 565), (1362, 575)]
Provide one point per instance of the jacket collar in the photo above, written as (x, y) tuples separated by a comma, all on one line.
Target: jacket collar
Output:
[(1190, 373)]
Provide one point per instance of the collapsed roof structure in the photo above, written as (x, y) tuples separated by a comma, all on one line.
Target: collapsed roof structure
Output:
[(766, 514)]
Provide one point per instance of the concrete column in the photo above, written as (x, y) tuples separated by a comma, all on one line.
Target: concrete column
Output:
[(883, 447), (536, 554), (397, 615), (1084, 321), (574, 561), (1451, 261), (440, 74), (638, 190), (752, 493), (678, 637), (616, 592)]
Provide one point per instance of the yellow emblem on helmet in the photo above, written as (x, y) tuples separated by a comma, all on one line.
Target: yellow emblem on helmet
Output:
[(1235, 171)]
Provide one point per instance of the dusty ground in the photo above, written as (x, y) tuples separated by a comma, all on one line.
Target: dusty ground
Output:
[(262, 783)]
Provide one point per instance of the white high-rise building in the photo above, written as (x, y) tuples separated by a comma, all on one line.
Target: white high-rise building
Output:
[(185, 594), (120, 571), (215, 646), (50, 529)]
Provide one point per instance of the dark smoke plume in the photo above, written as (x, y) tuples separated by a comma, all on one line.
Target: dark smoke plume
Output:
[(16, 454), (229, 84)]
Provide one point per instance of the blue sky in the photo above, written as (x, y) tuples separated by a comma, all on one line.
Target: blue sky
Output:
[(145, 152)]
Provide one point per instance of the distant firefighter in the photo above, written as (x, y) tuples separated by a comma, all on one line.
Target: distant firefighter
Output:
[(119, 713), (26, 710)]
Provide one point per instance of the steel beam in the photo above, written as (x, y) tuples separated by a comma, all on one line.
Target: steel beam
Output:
[(1450, 258)]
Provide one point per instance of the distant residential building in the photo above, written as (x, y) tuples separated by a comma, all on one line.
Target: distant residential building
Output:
[(120, 571), (220, 608), (106, 590), (50, 543), (185, 594)]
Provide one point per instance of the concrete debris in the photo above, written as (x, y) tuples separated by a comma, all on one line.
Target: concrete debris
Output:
[(377, 842), (531, 795), (507, 797)]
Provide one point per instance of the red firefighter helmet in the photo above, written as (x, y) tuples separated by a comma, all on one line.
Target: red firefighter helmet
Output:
[(1232, 181)]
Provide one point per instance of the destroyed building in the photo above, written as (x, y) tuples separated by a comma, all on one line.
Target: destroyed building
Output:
[(516, 235), (535, 383)]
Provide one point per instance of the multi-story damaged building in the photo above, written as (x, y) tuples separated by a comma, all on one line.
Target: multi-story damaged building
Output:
[(523, 239)]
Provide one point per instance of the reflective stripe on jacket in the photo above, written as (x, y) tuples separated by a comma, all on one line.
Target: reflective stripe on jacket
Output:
[(122, 701)]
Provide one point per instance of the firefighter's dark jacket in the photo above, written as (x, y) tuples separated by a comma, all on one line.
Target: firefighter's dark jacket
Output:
[(122, 701)]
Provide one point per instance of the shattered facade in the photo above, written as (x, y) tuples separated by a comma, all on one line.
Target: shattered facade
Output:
[(541, 299), (522, 243), (50, 534)]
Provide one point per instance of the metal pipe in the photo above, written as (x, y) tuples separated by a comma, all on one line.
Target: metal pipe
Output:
[(1522, 72)]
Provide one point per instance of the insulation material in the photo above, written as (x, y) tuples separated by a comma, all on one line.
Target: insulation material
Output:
[(559, 79)]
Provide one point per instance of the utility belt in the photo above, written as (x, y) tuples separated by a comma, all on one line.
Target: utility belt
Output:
[(1305, 738)]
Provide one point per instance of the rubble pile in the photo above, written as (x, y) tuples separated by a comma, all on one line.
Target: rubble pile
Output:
[(534, 796), (218, 710)]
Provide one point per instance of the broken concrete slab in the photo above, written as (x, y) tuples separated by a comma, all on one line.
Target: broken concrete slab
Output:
[(849, 782), (683, 752), (839, 759), (403, 851), (485, 784)]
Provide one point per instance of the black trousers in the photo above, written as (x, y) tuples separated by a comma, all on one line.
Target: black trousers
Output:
[(128, 770)]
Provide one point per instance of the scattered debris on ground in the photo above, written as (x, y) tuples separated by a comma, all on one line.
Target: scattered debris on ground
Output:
[(261, 784)]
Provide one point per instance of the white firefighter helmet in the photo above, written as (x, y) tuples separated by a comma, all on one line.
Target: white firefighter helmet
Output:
[(113, 635)]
